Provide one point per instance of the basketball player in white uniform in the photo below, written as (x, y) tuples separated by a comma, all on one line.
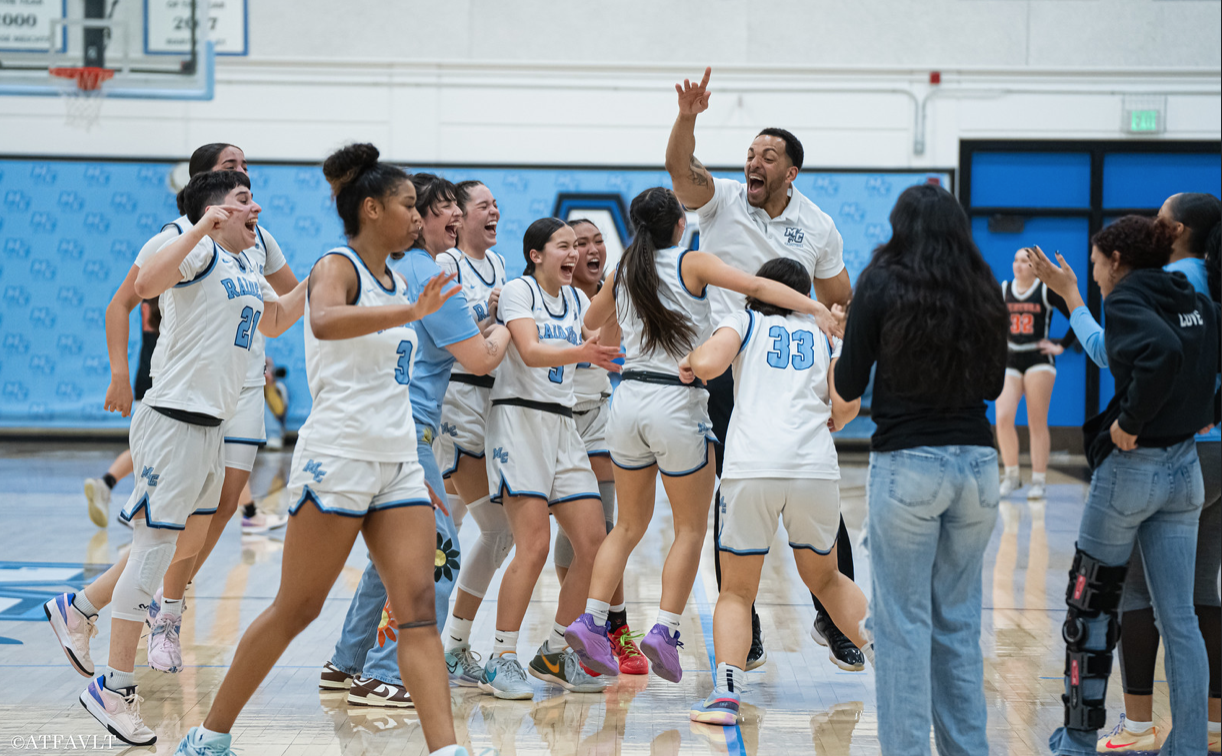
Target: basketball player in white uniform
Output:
[(355, 468), (243, 433), (780, 462), (658, 295), (215, 300), (537, 463)]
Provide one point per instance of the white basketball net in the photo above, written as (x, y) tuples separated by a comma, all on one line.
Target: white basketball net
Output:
[(83, 100)]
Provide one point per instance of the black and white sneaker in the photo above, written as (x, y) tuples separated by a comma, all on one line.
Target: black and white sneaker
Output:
[(757, 655), (840, 650)]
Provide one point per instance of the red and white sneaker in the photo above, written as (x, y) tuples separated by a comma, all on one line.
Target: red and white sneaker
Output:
[(118, 712), (73, 630), (631, 660)]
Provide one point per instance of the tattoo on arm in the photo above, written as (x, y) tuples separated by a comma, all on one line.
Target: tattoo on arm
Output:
[(699, 175)]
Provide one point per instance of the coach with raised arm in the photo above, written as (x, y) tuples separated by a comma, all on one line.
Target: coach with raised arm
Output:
[(746, 225)]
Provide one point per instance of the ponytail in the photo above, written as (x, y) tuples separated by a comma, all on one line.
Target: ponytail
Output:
[(654, 213)]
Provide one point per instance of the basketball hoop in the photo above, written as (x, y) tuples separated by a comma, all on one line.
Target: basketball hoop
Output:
[(84, 101)]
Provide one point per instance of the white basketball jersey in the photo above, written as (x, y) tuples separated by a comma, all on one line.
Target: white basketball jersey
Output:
[(362, 409), (781, 399), (256, 254), (676, 298), (558, 320), (478, 278), (208, 325)]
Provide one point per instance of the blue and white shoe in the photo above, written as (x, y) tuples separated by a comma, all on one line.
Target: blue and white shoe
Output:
[(720, 708), (73, 630), (464, 667), (197, 744), (504, 678)]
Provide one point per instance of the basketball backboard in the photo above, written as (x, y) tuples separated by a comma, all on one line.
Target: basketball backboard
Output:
[(157, 49)]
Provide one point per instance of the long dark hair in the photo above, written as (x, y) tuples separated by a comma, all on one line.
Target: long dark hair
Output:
[(355, 174), (1201, 214), (537, 235), (785, 270), (654, 213), (944, 334)]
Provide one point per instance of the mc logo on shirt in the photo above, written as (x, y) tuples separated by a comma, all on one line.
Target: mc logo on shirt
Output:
[(794, 236)]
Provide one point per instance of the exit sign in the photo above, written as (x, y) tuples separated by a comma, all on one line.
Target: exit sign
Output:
[(1144, 120), (1144, 114)]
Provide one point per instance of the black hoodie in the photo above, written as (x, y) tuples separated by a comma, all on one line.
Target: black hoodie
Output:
[(1162, 346)]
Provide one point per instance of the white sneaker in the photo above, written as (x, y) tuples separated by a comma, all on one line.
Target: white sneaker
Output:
[(1036, 491), (97, 493), (73, 630), (263, 522), (119, 713), (155, 607), (165, 650), (1009, 485)]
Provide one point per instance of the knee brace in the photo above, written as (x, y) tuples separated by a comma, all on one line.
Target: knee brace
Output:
[(1090, 631), (486, 556), (151, 553), (562, 555)]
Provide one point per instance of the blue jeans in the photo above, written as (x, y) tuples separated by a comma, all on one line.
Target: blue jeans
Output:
[(932, 511), (1154, 496), (357, 651)]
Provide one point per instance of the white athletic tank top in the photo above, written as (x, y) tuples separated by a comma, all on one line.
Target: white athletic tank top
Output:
[(781, 399), (257, 255), (208, 328), (478, 278), (559, 323), (362, 408), (675, 297)]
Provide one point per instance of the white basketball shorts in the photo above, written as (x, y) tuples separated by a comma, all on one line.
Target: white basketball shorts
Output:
[(592, 426), (179, 469), (657, 424), (354, 487), (809, 507), (532, 452), (463, 419), (246, 431)]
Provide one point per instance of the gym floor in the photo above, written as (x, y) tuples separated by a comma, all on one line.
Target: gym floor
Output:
[(797, 703)]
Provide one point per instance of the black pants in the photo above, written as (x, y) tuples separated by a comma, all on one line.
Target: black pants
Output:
[(721, 406)]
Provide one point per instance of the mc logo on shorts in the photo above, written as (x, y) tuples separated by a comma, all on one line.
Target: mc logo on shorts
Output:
[(315, 469), (500, 455), (150, 477)]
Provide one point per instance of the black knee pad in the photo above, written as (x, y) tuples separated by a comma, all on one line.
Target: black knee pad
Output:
[(1091, 630)]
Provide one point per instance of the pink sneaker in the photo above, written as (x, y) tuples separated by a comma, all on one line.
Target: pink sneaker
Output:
[(73, 630), (118, 712), (165, 652)]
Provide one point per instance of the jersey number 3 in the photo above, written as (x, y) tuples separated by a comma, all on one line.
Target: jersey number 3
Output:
[(804, 349), (246, 328), (403, 368)]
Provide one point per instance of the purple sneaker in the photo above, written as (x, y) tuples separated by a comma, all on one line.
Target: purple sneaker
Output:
[(663, 653), (592, 645)]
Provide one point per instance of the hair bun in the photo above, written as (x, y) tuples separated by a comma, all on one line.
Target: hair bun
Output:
[(347, 163)]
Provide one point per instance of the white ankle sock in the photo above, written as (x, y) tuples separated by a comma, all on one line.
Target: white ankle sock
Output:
[(555, 641), (171, 606), (598, 610), (83, 606), (1137, 728), (206, 735), (729, 678), (1039, 478), (670, 620), (117, 681), (505, 642), (620, 607), (458, 632), (1012, 472)]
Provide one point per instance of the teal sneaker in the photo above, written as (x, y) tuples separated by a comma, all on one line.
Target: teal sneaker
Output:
[(504, 678), (197, 744), (564, 669), (720, 708), (465, 669)]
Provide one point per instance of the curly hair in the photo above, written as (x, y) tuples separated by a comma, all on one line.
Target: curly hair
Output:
[(1141, 242), (944, 335)]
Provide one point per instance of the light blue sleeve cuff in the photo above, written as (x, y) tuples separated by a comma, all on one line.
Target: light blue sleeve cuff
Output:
[(1090, 335)]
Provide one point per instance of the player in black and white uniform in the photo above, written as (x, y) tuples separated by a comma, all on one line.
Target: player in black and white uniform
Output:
[(355, 468), (1030, 371), (658, 296), (214, 299), (780, 463), (746, 224), (537, 463)]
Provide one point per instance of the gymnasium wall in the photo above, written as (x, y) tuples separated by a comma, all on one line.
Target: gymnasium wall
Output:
[(70, 229), (475, 81)]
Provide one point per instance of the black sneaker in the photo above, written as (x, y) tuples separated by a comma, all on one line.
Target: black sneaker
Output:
[(757, 655), (840, 650)]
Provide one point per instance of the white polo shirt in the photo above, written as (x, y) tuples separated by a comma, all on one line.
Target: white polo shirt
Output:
[(745, 237)]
